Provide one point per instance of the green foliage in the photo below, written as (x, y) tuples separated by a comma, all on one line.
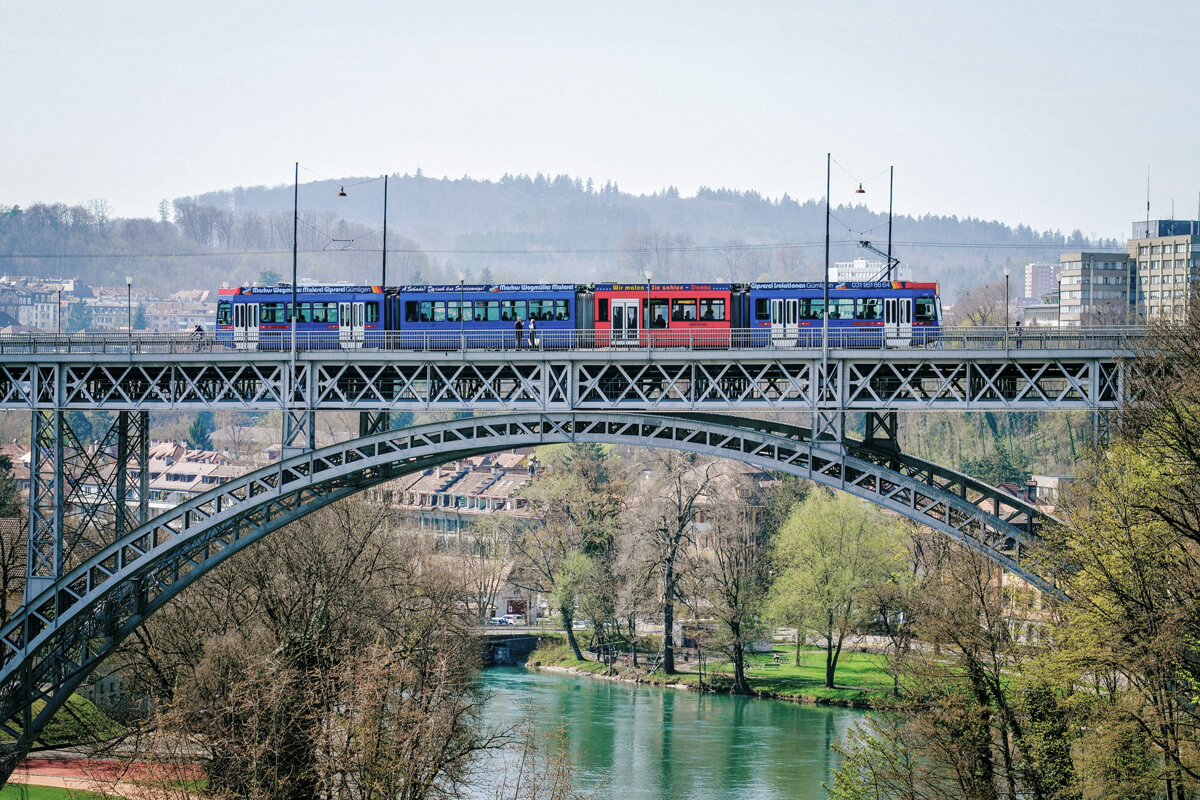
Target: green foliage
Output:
[(79, 721), (139, 318), (268, 277), (199, 434), (830, 549), (1001, 465)]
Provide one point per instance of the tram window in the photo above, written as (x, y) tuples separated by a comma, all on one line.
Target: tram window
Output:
[(439, 311), (923, 310), (562, 311), (372, 312), (602, 309), (683, 310), (712, 310), (541, 309), (762, 308), (223, 313), (870, 308), (305, 314), (487, 310), (658, 313), (452, 311), (426, 311), (512, 310), (271, 313), (325, 312), (841, 308), (411, 312), (811, 307)]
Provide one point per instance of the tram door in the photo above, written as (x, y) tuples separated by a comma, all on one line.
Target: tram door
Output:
[(897, 321), (352, 328), (625, 315), (245, 326), (785, 314)]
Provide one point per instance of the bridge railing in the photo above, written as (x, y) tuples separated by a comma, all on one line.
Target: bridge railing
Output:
[(993, 339)]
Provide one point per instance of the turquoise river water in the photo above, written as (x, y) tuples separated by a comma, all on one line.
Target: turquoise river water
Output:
[(631, 742)]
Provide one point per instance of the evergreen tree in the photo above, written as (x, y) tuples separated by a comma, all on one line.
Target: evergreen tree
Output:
[(199, 434)]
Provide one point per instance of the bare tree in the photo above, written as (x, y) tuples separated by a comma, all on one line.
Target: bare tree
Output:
[(334, 660), (979, 306), (663, 519), (735, 577)]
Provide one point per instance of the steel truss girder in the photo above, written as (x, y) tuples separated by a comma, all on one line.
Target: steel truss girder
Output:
[(55, 640), (80, 492), (658, 380)]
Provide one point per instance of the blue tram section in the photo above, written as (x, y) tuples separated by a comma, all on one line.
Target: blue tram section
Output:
[(327, 317), (866, 314), (447, 316)]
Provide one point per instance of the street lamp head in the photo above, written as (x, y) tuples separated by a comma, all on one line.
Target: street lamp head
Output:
[(1007, 272), (462, 278), (129, 280)]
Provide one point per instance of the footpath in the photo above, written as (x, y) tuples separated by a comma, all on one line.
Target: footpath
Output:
[(75, 771)]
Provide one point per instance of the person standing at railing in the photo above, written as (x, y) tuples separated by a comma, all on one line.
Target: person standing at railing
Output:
[(198, 338), (1017, 335), (517, 330), (532, 343)]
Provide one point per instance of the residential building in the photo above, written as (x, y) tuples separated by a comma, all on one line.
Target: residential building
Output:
[(1040, 280), (1166, 258), (1094, 288)]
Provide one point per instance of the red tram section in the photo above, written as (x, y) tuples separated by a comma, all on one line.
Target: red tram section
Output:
[(664, 314)]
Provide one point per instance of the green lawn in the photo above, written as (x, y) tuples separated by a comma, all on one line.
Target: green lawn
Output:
[(858, 670), (21, 791)]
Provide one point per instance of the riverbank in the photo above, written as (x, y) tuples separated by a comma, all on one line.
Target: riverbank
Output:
[(802, 684)]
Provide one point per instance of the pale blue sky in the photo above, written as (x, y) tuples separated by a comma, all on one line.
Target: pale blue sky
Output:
[(1043, 113)]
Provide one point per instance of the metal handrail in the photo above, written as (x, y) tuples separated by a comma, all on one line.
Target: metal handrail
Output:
[(975, 339)]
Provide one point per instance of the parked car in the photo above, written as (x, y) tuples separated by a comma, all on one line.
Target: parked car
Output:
[(499, 621), (515, 619)]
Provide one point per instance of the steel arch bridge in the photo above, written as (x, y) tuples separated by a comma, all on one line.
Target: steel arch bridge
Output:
[(60, 635)]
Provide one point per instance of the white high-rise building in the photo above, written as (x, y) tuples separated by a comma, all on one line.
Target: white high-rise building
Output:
[(860, 269)]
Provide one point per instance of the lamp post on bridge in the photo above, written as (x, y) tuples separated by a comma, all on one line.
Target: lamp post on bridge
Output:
[(129, 308), (1007, 271)]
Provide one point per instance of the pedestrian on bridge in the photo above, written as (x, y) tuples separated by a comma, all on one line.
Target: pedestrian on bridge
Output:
[(532, 343), (517, 329)]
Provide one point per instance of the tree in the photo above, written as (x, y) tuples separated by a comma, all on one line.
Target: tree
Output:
[(332, 661), (981, 306), (735, 575), (829, 551), (13, 524), (268, 277), (139, 318), (664, 521), (79, 317), (199, 434)]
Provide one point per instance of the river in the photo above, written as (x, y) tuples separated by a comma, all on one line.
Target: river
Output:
[(633, 742)]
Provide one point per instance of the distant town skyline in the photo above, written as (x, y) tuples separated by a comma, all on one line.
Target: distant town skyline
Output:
[(1048, 115)]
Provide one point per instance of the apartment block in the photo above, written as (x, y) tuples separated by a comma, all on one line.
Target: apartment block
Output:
[(1094, 289), (1166, 258)]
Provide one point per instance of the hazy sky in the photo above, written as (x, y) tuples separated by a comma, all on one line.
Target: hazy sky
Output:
[(1044, 113)]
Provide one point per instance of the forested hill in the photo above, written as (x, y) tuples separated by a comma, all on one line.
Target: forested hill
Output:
[(517, 228)]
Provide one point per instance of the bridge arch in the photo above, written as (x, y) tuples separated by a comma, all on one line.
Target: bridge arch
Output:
[(59, 637)]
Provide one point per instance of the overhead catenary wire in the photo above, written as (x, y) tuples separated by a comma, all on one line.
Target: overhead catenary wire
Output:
[(722, 248)]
